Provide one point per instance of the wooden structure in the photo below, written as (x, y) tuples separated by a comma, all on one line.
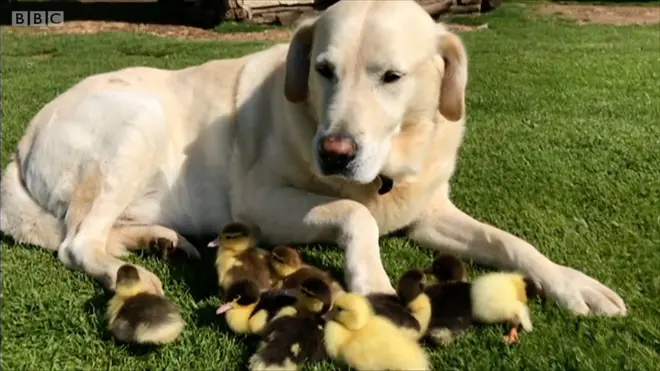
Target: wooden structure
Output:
[(285, 12)]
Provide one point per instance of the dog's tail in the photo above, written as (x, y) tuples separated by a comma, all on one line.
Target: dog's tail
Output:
[(21, 217)]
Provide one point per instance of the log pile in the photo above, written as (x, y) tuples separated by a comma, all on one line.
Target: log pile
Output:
[(286, 12)]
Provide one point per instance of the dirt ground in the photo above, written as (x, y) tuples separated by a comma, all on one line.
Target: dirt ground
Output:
[(617, 15)]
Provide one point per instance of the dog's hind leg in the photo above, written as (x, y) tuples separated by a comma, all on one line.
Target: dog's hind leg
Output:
[(95, 205), (125, 238), (105, 193)]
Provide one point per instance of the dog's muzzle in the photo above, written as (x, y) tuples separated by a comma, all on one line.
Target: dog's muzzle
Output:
[(336, 152)]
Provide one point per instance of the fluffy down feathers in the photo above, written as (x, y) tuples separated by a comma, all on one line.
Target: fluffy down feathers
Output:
[(501, 297), (247, 310), (289, 341), (365, 341), (136, 316), (238, 258), (451, 310), (295, 335)]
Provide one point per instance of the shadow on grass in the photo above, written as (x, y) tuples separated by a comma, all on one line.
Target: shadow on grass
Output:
[(200, 276), (313, 254)]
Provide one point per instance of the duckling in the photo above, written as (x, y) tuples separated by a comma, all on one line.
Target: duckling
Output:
[(448, 268), (248, 310), (134, 315), (239, 258), (409, 309), (497, 297), (501, 297), (288, 266), (295, 336), (451, 311), (451, 304), (356, 336)]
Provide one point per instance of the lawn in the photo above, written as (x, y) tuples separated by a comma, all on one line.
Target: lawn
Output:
[(562, 149)]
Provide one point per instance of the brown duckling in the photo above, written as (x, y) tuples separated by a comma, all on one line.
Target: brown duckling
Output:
[(239, 258), (364, 341), (448, 268), (247, 310), (451, 304), (409, 309), (137, 316), (295, 335), (288, 266), (497, 297)]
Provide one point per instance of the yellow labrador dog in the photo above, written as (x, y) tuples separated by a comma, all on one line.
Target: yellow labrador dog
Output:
[(349, 132)]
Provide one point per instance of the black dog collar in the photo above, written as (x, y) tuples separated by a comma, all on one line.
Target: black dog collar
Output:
[(386, 184)]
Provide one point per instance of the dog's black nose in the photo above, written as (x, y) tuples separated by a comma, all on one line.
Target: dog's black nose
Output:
[(336, 152)]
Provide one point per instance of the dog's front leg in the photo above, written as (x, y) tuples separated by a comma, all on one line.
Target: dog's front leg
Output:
[(445, 227), (288, 215)]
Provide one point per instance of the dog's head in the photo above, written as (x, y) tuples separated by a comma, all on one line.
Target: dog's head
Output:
[(374, 73)]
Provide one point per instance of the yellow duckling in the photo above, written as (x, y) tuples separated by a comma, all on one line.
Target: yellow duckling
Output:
[(501, 297), (295, 336), (364, 341), (409, 309), (136, 316), (238, 258), (248, 310), (289, 268)]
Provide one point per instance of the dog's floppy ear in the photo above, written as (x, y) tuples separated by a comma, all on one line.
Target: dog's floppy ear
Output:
[(297, 61), (454, 81)]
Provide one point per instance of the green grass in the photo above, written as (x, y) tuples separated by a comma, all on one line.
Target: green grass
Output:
[(231, 26), (562, 149)]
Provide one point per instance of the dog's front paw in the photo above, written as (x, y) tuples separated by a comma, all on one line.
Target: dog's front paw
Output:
[(376, 282), (582, 294)]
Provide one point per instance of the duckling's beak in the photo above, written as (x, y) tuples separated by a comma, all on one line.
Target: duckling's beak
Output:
[(214, 243), (224, 307), (330, 315)]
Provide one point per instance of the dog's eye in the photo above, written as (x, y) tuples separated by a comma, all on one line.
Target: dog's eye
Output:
[(391, 76), (325, 70)]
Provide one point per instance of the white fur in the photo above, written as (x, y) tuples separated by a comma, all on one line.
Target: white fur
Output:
[(235, 139)]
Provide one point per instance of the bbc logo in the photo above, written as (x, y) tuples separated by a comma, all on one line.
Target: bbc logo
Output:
[(37, 18)]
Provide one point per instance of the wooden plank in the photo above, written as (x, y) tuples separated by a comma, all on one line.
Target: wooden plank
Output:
[(464, 9), (288, 11)]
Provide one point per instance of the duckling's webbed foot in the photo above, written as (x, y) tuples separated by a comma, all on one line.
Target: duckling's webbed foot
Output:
[(513, 337), (442, 336)]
